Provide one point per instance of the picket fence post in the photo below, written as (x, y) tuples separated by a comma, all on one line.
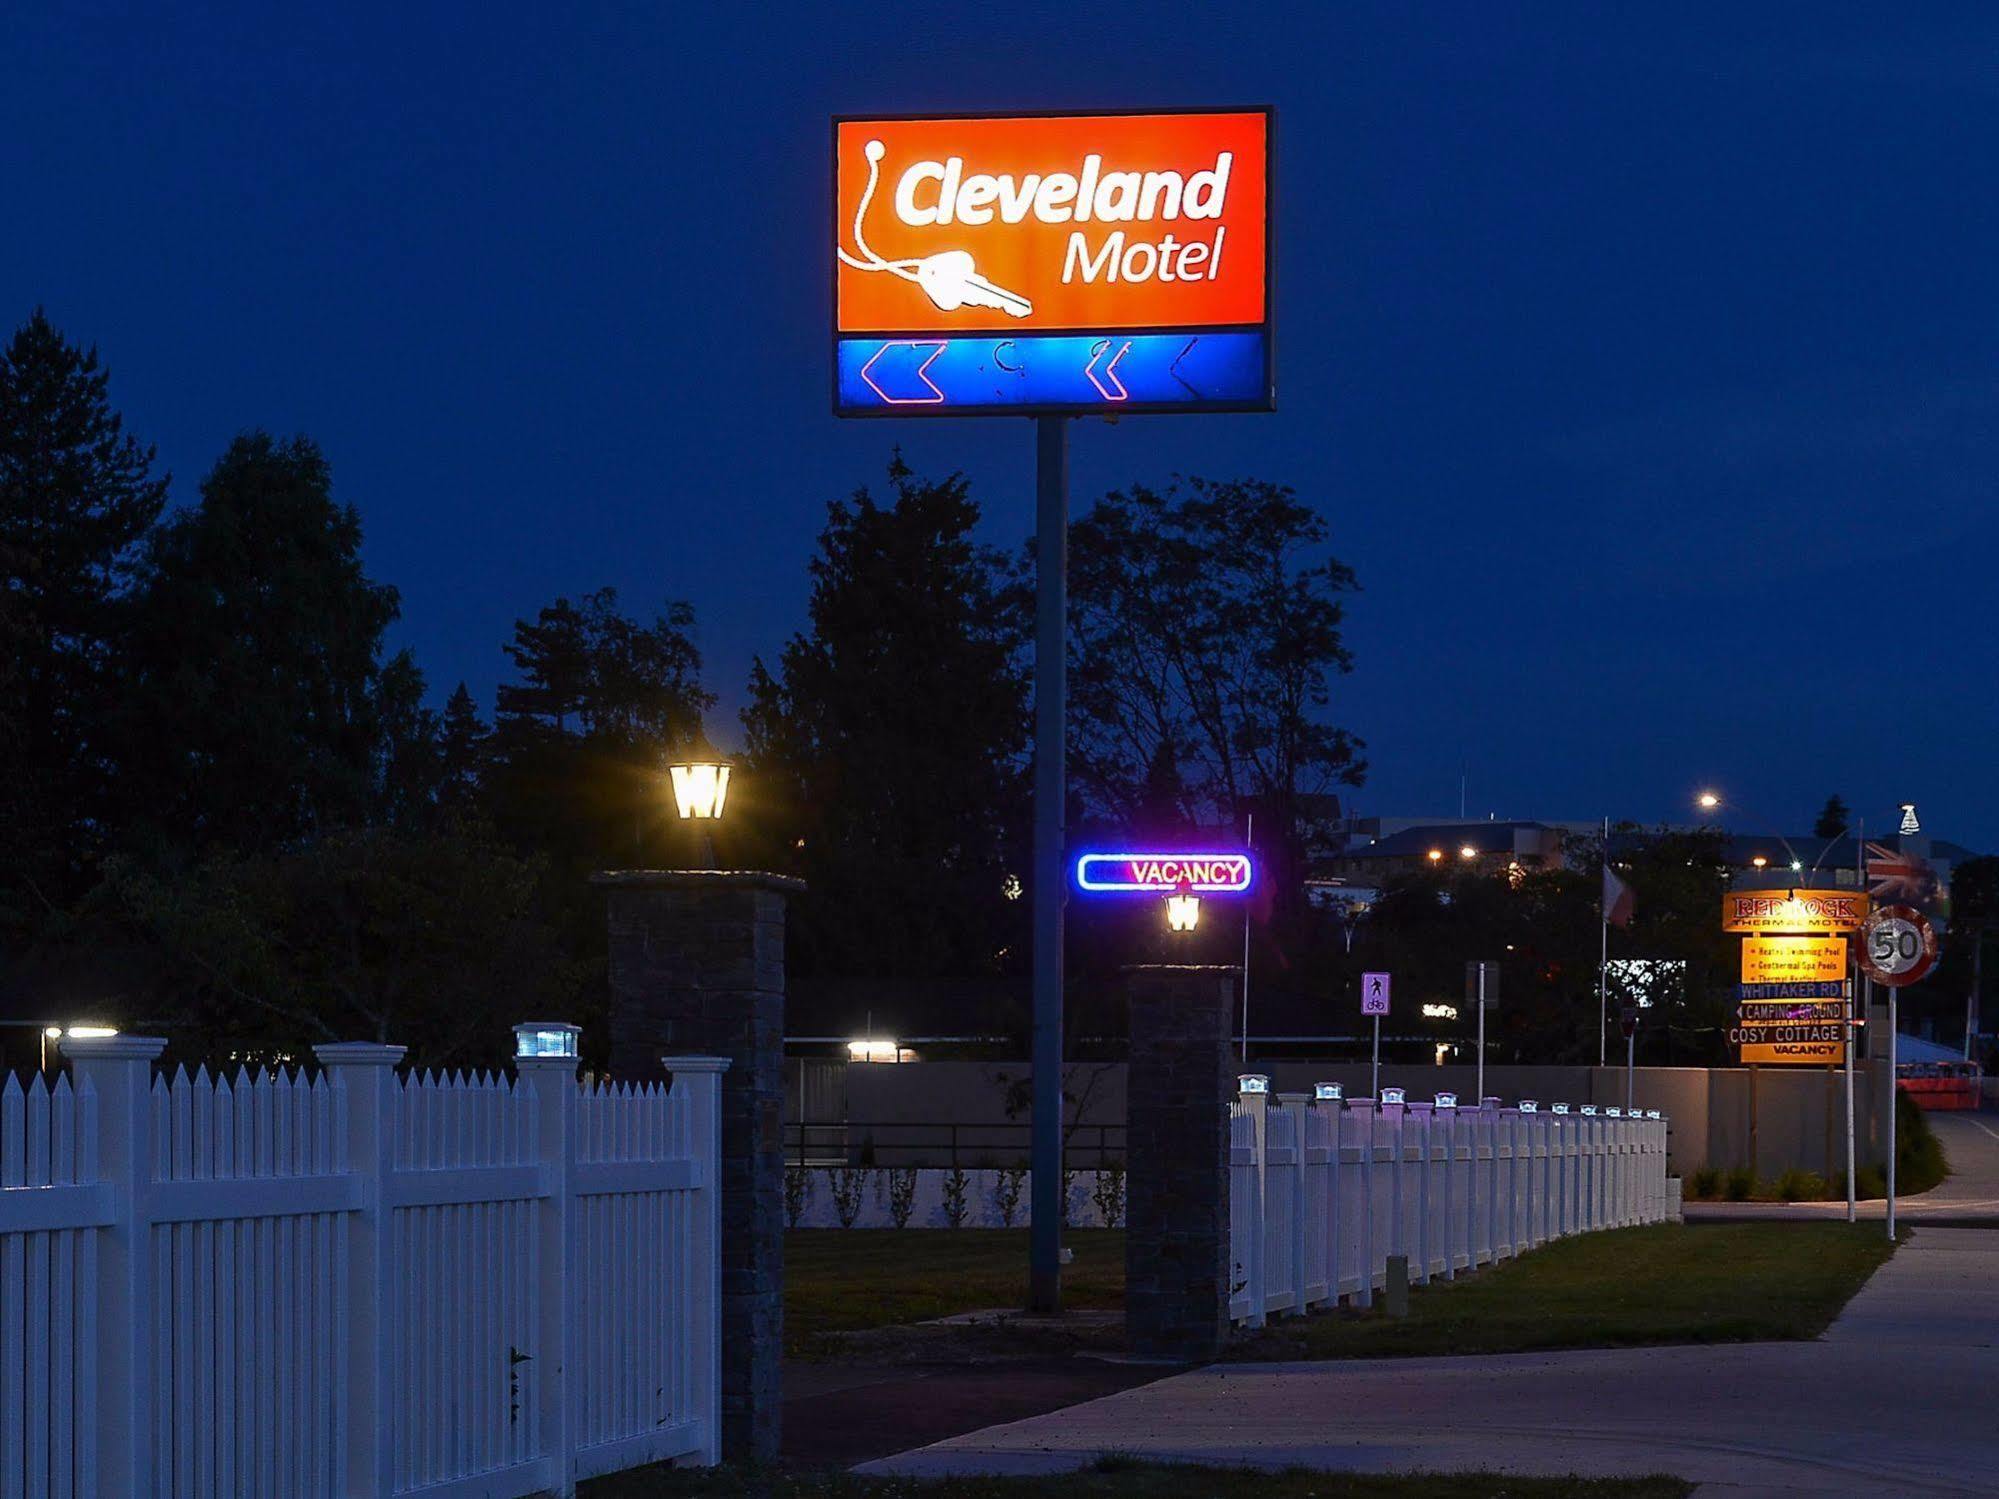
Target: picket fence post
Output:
[(552, 1086), (702, 1077), (363, 1080), (117, 1072), (1256, 1103)]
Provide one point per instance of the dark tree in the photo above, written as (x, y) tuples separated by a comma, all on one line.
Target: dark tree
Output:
[(77, 495), (1833, 819), (575, 766), (431, 940), (461, 752), (888, 747), (254, 695), (1207, 627)]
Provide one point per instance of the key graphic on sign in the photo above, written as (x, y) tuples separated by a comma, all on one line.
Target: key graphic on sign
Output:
[(1374, 989)]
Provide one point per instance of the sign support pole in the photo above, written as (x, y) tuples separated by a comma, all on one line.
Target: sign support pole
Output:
[(1375, 1087), (1051, 609), (1481, 1035), (1893, 1102), (1853, 1031)]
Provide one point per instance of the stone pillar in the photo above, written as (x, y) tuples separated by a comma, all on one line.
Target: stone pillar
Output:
[(697, 966), (1177, 1156)]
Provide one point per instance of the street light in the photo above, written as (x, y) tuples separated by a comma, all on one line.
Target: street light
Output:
[(1436, 855), (1467, 852), (1183, 909), (1709, 801)]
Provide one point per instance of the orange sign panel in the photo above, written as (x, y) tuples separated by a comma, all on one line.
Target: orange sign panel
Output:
[(1035, 223), (1792, 911), (1794, 1053), (1793, 960)]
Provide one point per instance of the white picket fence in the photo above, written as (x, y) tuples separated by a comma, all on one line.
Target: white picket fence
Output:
[(1322, 1194), (354, 1283)]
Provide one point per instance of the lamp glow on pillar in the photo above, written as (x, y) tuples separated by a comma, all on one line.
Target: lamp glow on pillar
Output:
[(1183, 909), (1327, 1092), (545, 1038), (700, 788)]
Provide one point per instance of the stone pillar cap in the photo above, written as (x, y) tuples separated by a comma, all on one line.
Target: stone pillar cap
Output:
[(697, 879), (695, 1064), (112, 1048)]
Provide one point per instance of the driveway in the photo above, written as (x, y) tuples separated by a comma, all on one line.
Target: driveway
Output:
[(1969, 1195), (1895, 1398)]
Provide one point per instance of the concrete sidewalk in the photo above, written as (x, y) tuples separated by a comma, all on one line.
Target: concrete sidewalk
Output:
[(1896, 1398)]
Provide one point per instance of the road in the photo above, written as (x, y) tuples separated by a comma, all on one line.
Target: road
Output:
[(1895, 1398), (1969, 1195)]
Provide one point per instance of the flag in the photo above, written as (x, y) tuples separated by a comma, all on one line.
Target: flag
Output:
[(1617, 903)]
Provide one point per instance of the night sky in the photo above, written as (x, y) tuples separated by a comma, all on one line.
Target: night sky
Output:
[(1640, 361)]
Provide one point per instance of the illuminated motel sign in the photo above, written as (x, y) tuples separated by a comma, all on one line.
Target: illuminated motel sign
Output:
[(1198, 873), (1085, 263)]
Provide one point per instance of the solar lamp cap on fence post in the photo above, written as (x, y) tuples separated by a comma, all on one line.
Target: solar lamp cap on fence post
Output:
[(1253, 1082), (545, 1038), (1327, 1092), (1391, 1095), (1528, 1106), (1447, 1100)]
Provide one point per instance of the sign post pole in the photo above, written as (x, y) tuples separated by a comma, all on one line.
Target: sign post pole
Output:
[(1051, 590), (1375, 989), (1852, 1202), (1893, 1102), (1481, 1035)]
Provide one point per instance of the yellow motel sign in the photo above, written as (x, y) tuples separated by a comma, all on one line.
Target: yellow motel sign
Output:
[(1793, 960), (1822, 912)]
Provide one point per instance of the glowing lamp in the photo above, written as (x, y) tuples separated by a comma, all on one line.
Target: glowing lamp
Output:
[(90, 1032), (1528, 1106), (545, 1038), (1436, 855), (1561, 1108), (1614, 1112), (871, 1050), (1326, 1092), (1589, 1110), (1447, 1100), (1183, 909), (700, 788), (1391, 1095), (1759, 861), (1467, 852), (1708, 801), (1253, 1082), (1652, 1114)]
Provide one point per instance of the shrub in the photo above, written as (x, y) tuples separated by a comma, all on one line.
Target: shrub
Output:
[(1919, 1158), (1006, 1194), (1870, 1182), (901, 1194), (850, 1185), (1108, 1195), (1704, 1183), (1741, 1184), (955, 1209), (797, 1193), (1802, 1186)]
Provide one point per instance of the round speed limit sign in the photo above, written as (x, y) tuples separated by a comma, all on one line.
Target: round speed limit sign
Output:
[(1898, 946)]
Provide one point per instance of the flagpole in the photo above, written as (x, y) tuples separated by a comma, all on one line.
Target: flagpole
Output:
[(1603, 954), (1248, 836)]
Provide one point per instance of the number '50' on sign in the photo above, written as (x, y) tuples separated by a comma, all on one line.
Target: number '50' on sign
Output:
[(1898, 946)]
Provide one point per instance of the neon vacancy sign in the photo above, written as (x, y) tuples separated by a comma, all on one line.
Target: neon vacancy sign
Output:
[(1164, 873)]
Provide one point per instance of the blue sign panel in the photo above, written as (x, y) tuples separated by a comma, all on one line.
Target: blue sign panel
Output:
[(1829, 989), (1088, 373)]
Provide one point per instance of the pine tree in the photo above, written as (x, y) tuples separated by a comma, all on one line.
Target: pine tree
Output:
[(254, 701), (892, 739), (77, 494), (461, 749), (1833, 819)]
